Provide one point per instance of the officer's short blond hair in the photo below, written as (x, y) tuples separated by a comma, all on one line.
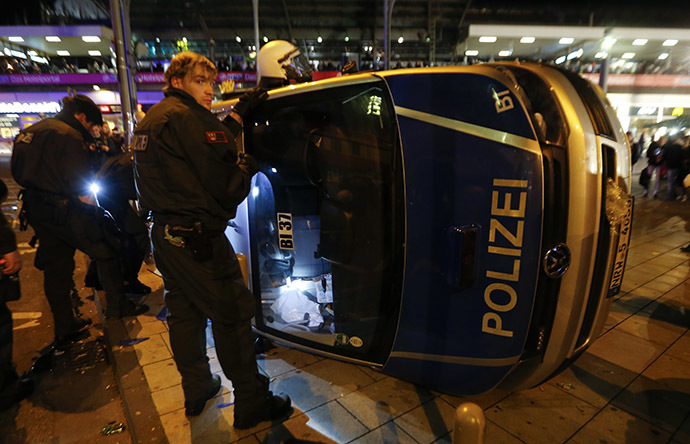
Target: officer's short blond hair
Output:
[(185, 62)]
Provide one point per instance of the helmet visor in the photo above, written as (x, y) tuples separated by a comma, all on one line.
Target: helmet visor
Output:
[(296, 67)]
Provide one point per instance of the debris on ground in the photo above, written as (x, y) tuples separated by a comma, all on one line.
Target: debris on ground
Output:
[(112, 428)]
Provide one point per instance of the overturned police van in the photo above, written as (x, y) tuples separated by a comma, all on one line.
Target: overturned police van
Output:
[(462, 228)]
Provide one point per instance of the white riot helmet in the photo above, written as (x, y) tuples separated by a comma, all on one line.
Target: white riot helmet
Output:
[(279, 59)]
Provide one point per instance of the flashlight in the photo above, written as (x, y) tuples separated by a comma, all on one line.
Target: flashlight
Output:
[(94, 188)]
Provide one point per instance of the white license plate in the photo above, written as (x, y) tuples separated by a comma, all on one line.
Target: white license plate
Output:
[(621, 250)]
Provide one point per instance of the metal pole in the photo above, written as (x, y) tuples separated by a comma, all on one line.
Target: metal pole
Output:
[(255, 4), (256, 25), (127, 88), (387, 16), (604, 74), (470, 424), (287, 18)]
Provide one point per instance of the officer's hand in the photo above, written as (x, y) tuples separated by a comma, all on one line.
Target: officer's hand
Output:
[(11, 262), (250, 100), (247, 164)]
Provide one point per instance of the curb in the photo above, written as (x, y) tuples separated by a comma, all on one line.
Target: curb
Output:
[(140, 411)]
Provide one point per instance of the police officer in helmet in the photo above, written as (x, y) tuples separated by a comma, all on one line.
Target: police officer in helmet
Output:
[(50, 160), (190, 177), (279, 62)]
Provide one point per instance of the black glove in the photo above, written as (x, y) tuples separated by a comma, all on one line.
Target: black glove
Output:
[(250, 100), (247, 164)]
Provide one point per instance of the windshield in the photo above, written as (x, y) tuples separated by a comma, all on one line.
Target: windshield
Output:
[(325, 219)]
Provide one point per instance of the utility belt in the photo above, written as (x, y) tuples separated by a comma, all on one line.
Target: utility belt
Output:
[(191, 235), (44, 205), (44, 197), (55, 208)]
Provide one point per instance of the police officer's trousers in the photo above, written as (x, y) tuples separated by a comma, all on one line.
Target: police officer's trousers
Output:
[(61, 231), (213, 289)]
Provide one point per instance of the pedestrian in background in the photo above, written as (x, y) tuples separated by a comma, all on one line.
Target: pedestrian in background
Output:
[(673, 156), (190, 177), (655, 158), (116, 143), (51, 161)]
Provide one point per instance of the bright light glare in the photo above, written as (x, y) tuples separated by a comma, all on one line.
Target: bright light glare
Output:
[(401, 39), (265, 39), (238, 39), (487, 39), (273, 170), (255, 191), (471, 52), (15, 39), (575, 54), (53, 38), (94, 188), (504, 53), (670, 42), (319, 39), (628, 55), (663, 56), (94, 52), (96, 88), (566, 40), (91, 38), (63, 53), (639, 42), (608, 42), (560, 60), (527, 40), (601, 55)]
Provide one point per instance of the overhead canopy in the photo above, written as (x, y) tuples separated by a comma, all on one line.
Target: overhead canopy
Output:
[(77, 40), (681, 122), (584, 42)]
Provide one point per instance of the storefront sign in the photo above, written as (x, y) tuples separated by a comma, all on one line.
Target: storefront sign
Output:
[(32, 108)]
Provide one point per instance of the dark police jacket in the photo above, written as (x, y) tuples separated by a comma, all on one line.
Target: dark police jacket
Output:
[(52, 156), (185, 163), (8, 241)]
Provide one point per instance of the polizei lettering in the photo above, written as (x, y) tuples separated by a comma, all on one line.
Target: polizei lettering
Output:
[(508, 206)]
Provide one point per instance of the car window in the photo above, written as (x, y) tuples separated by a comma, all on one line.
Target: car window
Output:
[(324, 218)]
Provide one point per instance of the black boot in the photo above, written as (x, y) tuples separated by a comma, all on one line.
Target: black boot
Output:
[(273, 408)]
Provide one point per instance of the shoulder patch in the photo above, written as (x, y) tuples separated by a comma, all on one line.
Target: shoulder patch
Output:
[(216, 137), (139, 142), (24, 138)]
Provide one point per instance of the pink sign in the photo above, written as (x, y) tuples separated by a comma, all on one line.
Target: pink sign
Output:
[(140, 77)]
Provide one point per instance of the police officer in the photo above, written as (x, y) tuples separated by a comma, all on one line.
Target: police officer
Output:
[(12, 388), (50, 160), (189, 176), (117, 191), (279, 62)]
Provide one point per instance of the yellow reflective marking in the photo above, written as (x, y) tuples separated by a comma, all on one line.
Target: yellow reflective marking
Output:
[(32, 323), (462, 360), (27, 315), (510, 183), (516, 141)]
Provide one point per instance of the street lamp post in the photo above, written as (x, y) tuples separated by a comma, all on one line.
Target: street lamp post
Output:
[(387, 15)]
